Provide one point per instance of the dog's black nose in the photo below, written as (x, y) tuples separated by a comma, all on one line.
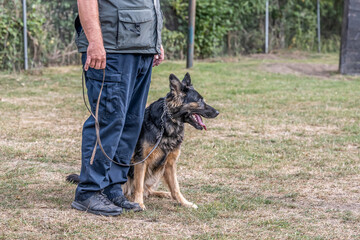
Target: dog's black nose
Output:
[(217, 113)]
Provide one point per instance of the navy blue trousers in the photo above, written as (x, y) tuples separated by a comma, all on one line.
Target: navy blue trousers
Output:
[(121, 113)]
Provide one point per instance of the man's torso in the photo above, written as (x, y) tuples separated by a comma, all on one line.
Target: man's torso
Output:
[(128, 26)]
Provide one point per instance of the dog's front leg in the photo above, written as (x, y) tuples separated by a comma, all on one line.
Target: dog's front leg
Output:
[(170, 178), (139, 176)]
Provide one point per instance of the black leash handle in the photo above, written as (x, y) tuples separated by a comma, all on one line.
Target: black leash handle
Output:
[(97, 126)]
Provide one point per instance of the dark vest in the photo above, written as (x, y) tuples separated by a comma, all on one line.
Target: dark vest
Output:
[(128, 26)]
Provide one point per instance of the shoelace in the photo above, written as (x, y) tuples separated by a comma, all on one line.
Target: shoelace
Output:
[(103, 199)]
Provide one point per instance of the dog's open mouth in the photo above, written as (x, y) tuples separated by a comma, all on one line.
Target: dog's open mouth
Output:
[(198, 119)]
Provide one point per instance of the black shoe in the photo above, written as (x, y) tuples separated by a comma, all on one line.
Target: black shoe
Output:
[(122, 202), (97, 204)]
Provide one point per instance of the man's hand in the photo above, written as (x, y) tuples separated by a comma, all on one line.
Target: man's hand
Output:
[(159, 58), (89, 18), (96, 56)]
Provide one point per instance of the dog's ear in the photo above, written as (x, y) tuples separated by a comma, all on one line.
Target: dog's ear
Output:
[(187, 80), (175, 84)]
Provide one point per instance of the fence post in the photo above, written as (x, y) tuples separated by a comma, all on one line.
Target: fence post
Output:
[(350, 36), (267, 27), (191, 34), (25, 37), (318, 26)]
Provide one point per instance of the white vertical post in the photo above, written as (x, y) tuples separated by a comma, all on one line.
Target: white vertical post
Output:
[(267, 27), (318, 26), (25, 36)]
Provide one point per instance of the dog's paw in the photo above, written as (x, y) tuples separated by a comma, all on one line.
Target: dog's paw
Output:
[(160, 194), (164, 195), (142, 206), (191, 205), (194, 206)]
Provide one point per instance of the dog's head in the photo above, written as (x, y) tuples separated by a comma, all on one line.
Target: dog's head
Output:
[(186, 104)]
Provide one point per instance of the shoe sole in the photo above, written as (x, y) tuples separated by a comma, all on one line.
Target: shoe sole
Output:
[(81, 207), (133, 210)]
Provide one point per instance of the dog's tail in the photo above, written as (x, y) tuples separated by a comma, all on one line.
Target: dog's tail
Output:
[(73, 178)]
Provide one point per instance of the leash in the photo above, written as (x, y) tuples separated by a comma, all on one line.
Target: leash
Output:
[(97, 126)]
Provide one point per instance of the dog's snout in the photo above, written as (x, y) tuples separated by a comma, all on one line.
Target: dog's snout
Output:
[(211, 112)]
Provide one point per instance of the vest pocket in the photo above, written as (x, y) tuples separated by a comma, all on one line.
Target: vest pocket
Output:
[(136, 29)]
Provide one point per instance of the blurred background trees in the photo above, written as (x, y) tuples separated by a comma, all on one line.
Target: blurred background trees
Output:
[(223, 27), (50, 33)]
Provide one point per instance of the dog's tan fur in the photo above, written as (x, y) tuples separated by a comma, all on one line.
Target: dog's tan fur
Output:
[(146, 181)]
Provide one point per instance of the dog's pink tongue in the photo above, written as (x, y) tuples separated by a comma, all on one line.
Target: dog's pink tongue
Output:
[(199, 120)]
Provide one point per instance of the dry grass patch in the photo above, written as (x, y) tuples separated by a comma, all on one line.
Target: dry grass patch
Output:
[(281, 161)]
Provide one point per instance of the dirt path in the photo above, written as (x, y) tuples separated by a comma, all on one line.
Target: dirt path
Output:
[(307, 69)]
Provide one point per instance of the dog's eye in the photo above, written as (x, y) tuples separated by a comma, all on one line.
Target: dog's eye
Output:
[(201, 103)]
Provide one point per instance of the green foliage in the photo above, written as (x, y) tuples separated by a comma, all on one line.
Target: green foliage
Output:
[(10, 37), (246, 34), (211, 23), (49, 30), (294, 24), (212, 27), (237, 26), (174, 44), (229, 27), (301, 32)]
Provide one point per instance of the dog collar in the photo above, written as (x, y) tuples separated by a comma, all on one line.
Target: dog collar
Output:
[(168, 113)]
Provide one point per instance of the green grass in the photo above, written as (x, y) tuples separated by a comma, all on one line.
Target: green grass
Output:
[(281, 161)]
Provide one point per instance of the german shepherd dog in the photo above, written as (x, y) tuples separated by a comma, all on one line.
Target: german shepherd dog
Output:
[(183, 104)]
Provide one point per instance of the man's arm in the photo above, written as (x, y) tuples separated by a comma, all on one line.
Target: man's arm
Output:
[(89, 18)]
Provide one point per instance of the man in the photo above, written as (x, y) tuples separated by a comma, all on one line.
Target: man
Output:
[(122, 37)]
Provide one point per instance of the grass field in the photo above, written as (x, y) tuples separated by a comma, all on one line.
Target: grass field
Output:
[(281, 161)]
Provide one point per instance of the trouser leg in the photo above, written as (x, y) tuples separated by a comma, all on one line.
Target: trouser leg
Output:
[(132, 128), (114, 102), (95, 177)]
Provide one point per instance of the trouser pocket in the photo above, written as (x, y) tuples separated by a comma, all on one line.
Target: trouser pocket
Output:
[(137, 29), (115, 101)]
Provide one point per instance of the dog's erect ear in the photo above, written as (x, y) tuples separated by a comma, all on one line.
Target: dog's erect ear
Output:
[(187, 80), (175, 84)]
